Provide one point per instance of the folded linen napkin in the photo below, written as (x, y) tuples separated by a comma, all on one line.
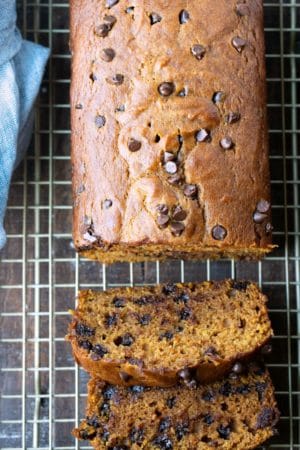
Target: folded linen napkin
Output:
[(22, 65)]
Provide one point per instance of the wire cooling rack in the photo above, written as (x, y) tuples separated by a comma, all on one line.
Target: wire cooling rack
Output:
[(42, 392)]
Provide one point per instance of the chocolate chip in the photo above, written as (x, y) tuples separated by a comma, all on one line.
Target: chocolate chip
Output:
[(110, 19), (184, 16), (154, 18), (226, 143), (168, 335), (181, 297), (86, 345), (232, 117), (93, 421), (87, 434), (107, 203), (218, 97), (83, 330), (267, 349), (162, 208), (177, 228), (190, 191), (243, 389), (238, 368), (109, 392), (168, 156), (78, 106), (145, 319), (105, 435), (163, 220), (207, 396), (240, 285), (266, 418), (169, 288), (136, 435), (104, 409), (202, 135), (100, 121), (259, 217), (179, 214), (129, 10), (120, 108), (198, 51), (119, 302), (137, 390), (126, 340), (166, 89), (171, 167), (185, 374), (116, 79), (208, 419), (184, 314), (181, 429), (164, 424), (134, 145), (224, 431), (111, 3), (175, 179), (125, 376), (219, 233), (183, 92), (226, 389), (260, 389), (107, 54), (212, 352), (269, 228), (263, 206), (93, 77), (100, 350), (111, 319), (242, 10), (163, 442), (171, 402), (238, 43), (102, 30)]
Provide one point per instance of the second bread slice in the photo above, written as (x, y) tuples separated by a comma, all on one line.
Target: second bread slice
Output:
[(157, 335)]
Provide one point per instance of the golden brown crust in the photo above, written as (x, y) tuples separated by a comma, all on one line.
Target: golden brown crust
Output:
[(127, 367), (116, 191)]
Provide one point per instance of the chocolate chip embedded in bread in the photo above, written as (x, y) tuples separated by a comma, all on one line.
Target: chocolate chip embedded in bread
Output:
[(177, 228), (136, 435), (84, 330), (259, 217), (198, 51), (134, 145), (164, 424), (175, 179), (102, 30), (242, 10), (218, 97), (107, 54), (166, 89), (119, 302), (155, 18), (163, 442), (171, 167), (184, 16), (183, 92), (263, 206), (79, 106), (224, 431), (85, 344), (190, 191), (100, 121), (208, 419), (202, 135), (238, 43), (226, 143), (162, 208), (266, 418), (238, 368), (111, 3), (98, 352), (219, 233), (269, 228), (107, 203), (168, 156), (232, 117), (129, 10), (116, 79), (179, 214), (126, 340), (163, 220), (111, 20)]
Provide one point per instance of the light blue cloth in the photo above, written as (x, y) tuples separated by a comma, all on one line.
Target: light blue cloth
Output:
[(22, 66)]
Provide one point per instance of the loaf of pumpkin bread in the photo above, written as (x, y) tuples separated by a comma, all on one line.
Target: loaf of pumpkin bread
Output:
[(156, 336), (169, 136), (237, 413)]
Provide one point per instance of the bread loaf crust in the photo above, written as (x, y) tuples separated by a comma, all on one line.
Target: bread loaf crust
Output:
[(169, 110)]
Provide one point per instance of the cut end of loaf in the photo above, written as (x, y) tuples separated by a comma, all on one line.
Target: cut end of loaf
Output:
[(149, 335), (236, 413)]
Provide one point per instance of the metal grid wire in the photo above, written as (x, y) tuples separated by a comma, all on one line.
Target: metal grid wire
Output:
[(42, 392)]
